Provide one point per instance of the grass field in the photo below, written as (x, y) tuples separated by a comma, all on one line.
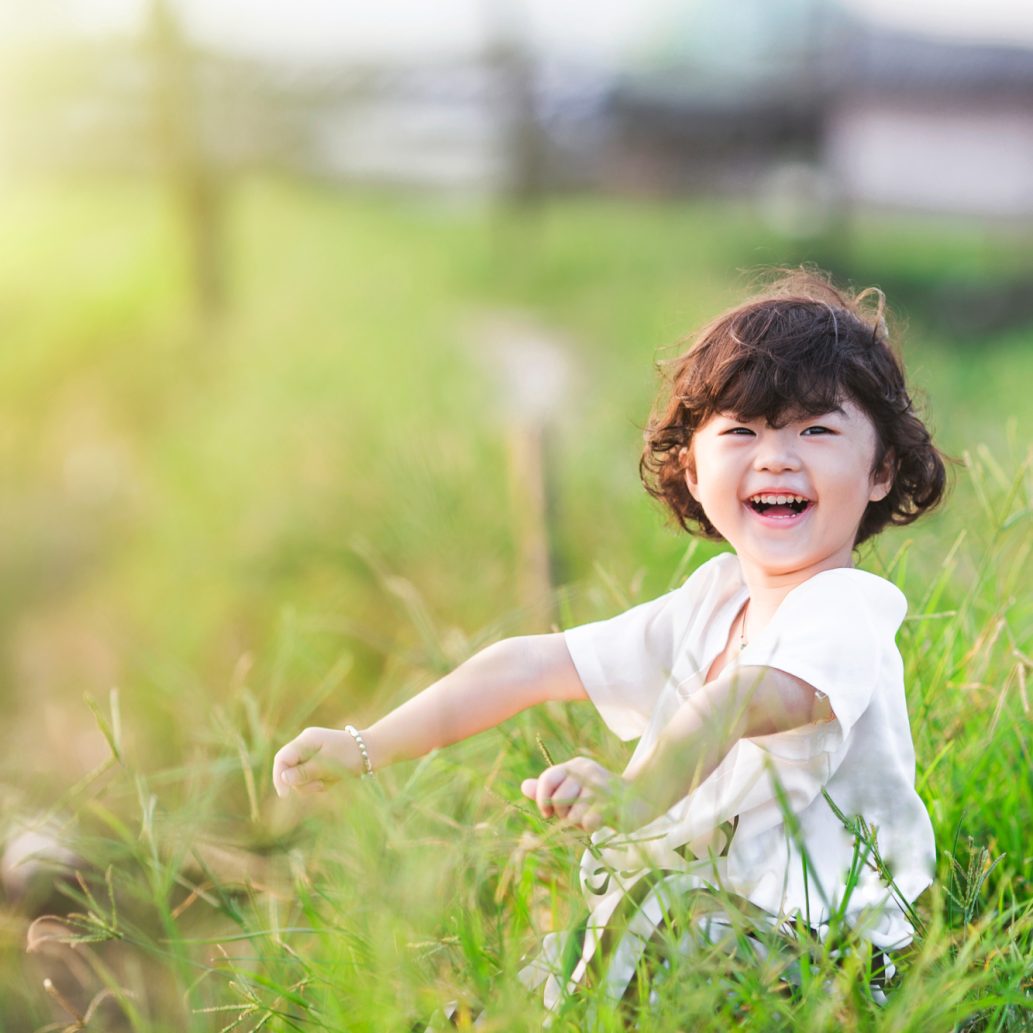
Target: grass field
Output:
[(218, 531)]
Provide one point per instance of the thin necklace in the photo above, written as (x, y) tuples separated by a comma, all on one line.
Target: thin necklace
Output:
[(742, 627)]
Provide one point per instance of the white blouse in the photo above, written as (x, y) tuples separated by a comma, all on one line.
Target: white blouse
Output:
[(836, 632)]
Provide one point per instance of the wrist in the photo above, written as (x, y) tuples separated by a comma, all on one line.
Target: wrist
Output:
[(364, 761)]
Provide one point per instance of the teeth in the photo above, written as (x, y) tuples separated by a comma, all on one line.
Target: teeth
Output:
[(778, 500)]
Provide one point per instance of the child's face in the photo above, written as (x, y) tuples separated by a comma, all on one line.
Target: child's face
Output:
[(737, 472)]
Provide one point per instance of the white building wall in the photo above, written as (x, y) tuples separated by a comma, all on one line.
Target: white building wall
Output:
[(967, 159)]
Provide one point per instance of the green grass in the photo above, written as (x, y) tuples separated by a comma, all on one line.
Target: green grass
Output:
[(301, 513)]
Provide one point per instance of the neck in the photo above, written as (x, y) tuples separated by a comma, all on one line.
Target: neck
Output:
[(767, 589)]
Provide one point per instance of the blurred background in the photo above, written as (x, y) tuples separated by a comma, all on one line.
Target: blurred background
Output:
[(339, 321), (328, 330), (301, 305)]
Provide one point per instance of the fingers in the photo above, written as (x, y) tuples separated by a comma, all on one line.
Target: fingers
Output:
[(555, 791), (299, 776), (289, 764), (530, 789), (565, 796), (548, 782), (585, 814), (576, 790)]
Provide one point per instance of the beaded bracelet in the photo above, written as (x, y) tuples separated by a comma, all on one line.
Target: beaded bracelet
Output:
[(367, 766)]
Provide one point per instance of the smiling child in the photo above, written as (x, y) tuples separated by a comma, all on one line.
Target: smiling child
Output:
[(766, 686)]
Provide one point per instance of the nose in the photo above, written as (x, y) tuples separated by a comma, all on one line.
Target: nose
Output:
[(776, 451)]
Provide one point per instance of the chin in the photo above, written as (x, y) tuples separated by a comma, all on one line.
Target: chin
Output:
[(789, 563)]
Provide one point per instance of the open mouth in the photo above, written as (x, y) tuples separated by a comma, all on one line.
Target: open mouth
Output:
[(778, 505)]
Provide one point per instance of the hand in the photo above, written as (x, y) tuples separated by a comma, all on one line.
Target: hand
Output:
[(314, 760), (578, 790)]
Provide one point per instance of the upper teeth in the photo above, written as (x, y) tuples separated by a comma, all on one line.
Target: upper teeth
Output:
[(778, 500)]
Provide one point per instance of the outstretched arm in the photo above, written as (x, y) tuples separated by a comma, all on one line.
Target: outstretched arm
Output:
[(740, 704), (490, 687)]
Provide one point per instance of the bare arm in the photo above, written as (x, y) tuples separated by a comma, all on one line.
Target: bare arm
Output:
[(490, 687), (741, 704), (751, 701)]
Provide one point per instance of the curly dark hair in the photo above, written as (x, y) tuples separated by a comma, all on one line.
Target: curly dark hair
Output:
[(797, 349)]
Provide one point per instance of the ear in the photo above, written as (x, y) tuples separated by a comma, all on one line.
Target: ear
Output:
[(882, 477), (689, 469)]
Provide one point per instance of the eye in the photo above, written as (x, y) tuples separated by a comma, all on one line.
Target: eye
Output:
[(740, 431), (817, 429)]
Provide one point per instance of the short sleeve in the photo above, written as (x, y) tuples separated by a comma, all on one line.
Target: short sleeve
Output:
[(833, 632), (624, 662)]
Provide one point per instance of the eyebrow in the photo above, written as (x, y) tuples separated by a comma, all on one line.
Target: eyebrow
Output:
[(836, 410), (802, 417)]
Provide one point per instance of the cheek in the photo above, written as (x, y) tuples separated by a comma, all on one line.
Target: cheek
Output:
[(855, 487), (713, 492)]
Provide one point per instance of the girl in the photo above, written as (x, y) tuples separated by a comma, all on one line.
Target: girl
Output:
[(766, 692)]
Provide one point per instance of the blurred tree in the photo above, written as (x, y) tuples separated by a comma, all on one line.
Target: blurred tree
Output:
[(510, 56), (181, 144)]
